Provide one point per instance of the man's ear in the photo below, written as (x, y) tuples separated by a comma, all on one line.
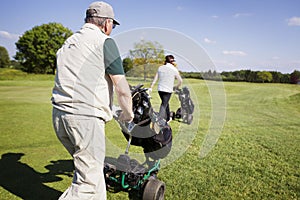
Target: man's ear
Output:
[(105, 26)]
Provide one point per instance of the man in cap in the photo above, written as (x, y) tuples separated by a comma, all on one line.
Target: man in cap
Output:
[(88, 66)]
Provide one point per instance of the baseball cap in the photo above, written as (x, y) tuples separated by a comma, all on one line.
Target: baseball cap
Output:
[(101, 9)]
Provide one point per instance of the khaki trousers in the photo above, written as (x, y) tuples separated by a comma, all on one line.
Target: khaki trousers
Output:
[(84, 138)]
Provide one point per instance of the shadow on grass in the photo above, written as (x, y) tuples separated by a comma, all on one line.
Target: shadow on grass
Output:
[(23, 181)]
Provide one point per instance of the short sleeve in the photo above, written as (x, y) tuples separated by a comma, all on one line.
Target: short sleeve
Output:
[(112, 59)]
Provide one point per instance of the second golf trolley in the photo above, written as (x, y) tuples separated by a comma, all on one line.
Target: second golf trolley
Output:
[(186, 109), (154, 135)]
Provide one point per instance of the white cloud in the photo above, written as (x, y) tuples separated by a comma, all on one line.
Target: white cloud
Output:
[(215, 16), (234, 53), (294, 21), (237, 15), (206, 40), (7, 35)]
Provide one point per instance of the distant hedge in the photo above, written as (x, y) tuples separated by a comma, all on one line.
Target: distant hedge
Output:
[(14, 74), (247, 76)]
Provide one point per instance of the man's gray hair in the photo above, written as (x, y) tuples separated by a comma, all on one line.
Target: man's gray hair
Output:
[(96, 20), (90, 18)]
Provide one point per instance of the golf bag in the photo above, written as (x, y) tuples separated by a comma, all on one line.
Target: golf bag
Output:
[(186, 106), (152, 132)]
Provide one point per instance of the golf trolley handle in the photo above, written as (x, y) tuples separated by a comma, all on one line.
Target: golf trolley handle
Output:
[(127, 127)]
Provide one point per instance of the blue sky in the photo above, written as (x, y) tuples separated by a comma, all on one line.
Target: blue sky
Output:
[(236, 34)]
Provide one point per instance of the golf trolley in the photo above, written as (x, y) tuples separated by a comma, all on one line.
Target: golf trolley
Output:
[(186, 109), (154, 135)]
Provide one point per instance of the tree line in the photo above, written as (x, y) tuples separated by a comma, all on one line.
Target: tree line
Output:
[(247, 76), (36, 53)]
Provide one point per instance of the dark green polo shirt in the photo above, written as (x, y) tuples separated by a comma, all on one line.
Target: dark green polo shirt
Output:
[(112, 59)]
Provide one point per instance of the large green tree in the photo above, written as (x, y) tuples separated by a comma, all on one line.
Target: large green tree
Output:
[(146, 56), (265, 76), (4, 57), (36, 49)]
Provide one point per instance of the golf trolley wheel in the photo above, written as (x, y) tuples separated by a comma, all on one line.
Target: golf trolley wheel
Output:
[(178, 113), (154, 190)]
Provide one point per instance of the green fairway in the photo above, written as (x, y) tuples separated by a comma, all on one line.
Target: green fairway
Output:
[(256, 156)]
